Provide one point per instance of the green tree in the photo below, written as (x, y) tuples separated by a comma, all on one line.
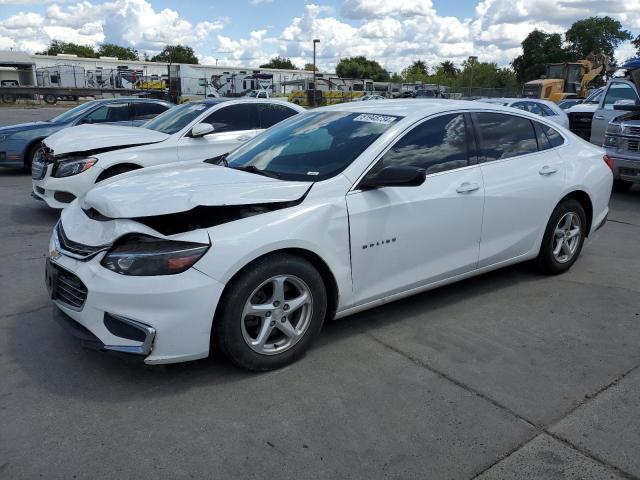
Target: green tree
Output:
[(595, 35), (447, 69), (361, 67), (176, 54), (310, 68), (396, 78), (121, 53), (538, 49), (636, 44), (418, 71), (280, 62), (58, 46)]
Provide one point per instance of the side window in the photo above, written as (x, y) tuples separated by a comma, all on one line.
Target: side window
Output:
[(436, 145), (146, 111), (272, 113), (546, 111), (618, 91), (528, 107), (233, 118), (504, 136), (555, 139), (113, 112)]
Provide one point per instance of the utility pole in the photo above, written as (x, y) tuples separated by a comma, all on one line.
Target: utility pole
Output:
[(315, 40)]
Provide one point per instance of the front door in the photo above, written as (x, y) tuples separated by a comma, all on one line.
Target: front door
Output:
[(405, 237), (233, 125)]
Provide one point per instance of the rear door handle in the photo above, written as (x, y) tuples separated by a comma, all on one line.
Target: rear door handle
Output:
[(467, 187), (547, 170), (243, 138)]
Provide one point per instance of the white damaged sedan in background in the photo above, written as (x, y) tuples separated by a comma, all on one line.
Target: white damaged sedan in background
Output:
[(75, 159), (331, 212)]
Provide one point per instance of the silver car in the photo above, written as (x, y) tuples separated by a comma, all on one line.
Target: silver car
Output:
[(19, 143)]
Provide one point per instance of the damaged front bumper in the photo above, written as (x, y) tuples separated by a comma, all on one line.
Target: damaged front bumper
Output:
[(60, 192)]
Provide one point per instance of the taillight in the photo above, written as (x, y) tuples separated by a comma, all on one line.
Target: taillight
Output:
[(609, 161)]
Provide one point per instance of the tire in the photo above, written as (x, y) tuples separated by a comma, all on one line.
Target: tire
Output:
[(557, 239), (8, 98), (113, 171), (621, 186), (31, 153), (50, 99), (234, 330)]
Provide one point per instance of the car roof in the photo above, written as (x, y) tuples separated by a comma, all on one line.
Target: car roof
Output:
[(408, 108), (129, 99)]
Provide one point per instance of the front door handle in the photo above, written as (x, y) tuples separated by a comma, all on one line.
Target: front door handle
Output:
[(547, 170), (599, 117), (243, 138), (467, 187)]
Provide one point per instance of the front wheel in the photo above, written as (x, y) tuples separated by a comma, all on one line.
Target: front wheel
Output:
[(270, 313), (563, 238)]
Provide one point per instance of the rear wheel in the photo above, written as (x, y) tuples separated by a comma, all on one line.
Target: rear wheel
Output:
[(270, 313), (563, 238), (621, 186), (50, 99)]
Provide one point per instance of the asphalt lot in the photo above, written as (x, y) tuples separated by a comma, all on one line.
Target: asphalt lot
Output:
[(507, 375)]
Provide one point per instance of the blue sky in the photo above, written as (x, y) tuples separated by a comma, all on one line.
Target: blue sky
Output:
[(249, 32)]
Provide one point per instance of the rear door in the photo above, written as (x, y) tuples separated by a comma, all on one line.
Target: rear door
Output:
[(617, 90), (115, 113), (233, 125), (405, 237), (521, 182)]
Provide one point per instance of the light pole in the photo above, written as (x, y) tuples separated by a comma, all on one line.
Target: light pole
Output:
[(472, 63), (315, 40)]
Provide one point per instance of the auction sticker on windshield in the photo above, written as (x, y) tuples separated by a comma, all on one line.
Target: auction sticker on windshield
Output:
[(372, 118)]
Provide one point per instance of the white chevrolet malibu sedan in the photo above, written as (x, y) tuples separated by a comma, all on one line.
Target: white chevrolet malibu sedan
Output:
[(73, 160), (329, 213)]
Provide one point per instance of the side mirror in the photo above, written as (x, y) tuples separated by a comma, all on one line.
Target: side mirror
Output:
[(86, 120), (626, 106), (406, 176), (202, 129)]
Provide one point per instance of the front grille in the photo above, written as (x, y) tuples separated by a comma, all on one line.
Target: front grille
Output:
[(632, 145), (68, 288), (75, 249), (580, 124), (632, 131)]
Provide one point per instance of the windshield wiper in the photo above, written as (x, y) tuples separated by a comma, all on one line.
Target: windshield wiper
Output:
[(257, 171)]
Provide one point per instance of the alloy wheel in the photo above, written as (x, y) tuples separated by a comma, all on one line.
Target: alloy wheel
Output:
[(566, 237), (277, 314)]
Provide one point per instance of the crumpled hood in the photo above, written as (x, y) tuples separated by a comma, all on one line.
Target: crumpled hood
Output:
[(631, 117), (23, 127), (84, 138), (582, 108), (179, 187)]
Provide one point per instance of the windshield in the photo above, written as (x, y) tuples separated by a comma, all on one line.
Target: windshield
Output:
[(311, 147), (594, 97), (176, 118), (70, 115)]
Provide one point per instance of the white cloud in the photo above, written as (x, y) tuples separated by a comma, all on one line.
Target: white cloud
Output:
[(394, 32)]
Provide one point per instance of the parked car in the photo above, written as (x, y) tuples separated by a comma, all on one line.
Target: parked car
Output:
[(19, 143), (544, 108), (331, 212), (75, 159), (622, 144), (618, 90), (571, 102), (581, 115), (366, 98)]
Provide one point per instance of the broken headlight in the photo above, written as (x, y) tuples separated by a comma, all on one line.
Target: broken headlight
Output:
[(73, 167), (141, 255)]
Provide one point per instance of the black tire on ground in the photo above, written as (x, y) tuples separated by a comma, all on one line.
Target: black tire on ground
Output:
[(8, 98), (227, 332), (31, 152), (621, 186), (50, 99), (113, 171), (547, 261)]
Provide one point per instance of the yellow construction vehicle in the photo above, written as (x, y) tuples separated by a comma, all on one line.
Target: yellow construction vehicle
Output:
[(304, 98), (566, 80)]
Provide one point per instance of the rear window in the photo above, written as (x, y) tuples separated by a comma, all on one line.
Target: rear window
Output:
[(504, 136), (146, 111)]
